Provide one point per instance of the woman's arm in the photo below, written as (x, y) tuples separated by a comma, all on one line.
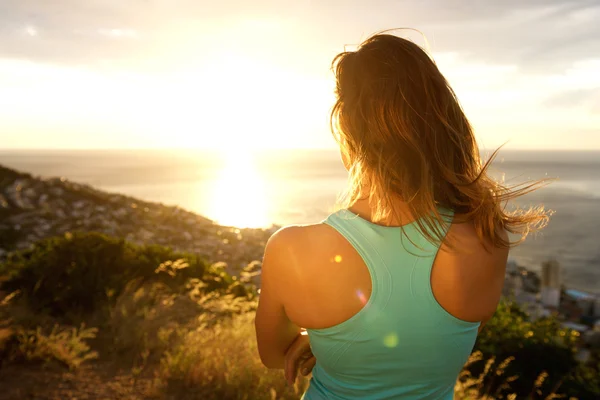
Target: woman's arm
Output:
[(274, 331)]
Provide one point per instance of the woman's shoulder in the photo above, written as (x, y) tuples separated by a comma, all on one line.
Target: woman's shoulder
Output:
[(293, 256), (291, 235), (298, 241), (468, 274)]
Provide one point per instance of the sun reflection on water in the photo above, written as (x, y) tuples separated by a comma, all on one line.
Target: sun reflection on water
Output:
[(238, 195)]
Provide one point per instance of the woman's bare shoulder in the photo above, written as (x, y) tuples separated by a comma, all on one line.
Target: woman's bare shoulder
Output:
[(298, 243), (468, 274), (297, 235), (292, 259)]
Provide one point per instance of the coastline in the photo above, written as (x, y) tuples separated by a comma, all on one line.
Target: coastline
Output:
[(34, 208)]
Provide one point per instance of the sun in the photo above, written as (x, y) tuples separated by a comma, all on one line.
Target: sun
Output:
[(238, 195)]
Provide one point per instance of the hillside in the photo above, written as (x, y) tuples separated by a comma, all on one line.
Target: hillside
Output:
[(34, 208)]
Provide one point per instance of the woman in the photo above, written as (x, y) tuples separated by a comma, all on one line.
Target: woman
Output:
[(393, 288)]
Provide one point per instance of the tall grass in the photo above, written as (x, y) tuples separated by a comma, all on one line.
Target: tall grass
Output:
[(221, 362), (64, 345)]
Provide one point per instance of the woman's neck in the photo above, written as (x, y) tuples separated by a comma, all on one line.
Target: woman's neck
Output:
[(401, 214)]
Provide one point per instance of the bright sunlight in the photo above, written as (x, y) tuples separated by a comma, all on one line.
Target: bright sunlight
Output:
[(237, 100), (238, 194)]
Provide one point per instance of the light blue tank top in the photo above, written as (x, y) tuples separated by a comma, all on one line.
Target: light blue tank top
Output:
[(402, 344)]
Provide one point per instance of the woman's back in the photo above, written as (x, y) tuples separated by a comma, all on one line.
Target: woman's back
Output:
[(402, 343), (364, 293)]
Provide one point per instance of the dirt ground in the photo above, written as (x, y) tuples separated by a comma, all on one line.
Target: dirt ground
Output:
[(92, 382)]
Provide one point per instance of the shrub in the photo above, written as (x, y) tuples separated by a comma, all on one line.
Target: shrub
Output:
[(82, 273), (536, 348)]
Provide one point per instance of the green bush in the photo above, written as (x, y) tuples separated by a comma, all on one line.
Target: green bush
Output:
[(535, 348), (82, 273)]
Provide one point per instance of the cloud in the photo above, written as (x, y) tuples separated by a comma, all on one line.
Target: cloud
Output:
[(62, 31), (73, 31), (538, 37), (535, 35), (579, 98)]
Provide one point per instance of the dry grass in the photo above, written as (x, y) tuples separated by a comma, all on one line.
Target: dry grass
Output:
[(44, 343), (151, 318), (221, 362), (469, 387), (65, 345), (146, 316)]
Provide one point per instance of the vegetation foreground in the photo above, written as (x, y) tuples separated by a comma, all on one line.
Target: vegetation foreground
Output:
[(86, 316)]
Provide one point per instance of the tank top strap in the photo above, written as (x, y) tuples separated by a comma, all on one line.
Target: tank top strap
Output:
[(365, 241)]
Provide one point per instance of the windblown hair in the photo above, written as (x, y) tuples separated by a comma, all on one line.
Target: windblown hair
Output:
[(405, 136)]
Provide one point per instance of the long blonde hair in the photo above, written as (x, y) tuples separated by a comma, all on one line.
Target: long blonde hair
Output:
[(404, 134)]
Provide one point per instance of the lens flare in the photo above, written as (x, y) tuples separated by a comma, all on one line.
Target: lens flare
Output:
[(390, 340), (361, 296)]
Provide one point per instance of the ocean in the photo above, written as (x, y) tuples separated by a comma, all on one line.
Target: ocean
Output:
[(301, 186)]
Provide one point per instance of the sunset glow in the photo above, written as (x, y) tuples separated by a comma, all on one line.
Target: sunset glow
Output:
[(238, 197), (257, 75)]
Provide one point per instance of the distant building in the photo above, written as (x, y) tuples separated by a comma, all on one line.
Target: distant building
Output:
[(585, 301), (571, 310), (551, 281)]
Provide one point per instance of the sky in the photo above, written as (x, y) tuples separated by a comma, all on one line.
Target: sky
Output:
[(253, 75)]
